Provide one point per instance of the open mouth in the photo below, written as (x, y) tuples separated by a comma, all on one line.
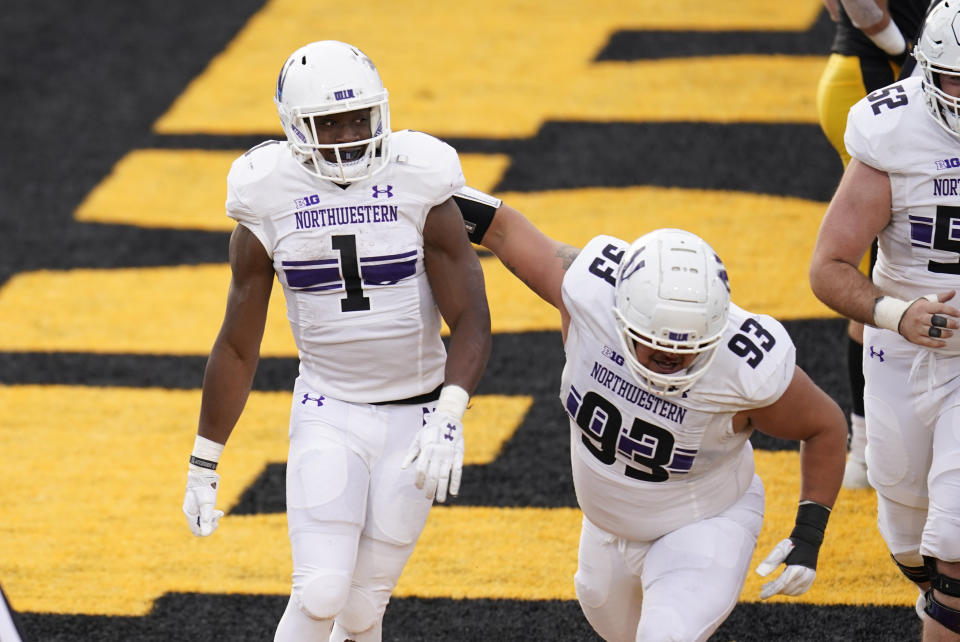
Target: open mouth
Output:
[(666, 363)]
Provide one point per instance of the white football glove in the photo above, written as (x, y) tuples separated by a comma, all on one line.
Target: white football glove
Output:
[(199, 503), (438, 450), (795, 579)]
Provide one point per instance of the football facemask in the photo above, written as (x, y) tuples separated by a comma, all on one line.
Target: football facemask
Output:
[(323, 79), (672, 296)]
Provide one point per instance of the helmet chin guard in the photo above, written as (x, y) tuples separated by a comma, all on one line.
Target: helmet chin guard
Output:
[(938, 55), (672, 296), (325, 78)]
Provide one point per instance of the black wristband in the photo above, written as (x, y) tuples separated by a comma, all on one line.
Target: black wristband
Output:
[(807, 535), (203, 463)]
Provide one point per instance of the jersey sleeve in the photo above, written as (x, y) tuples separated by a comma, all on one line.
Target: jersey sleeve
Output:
[(433, 166), (873, 135), (756, 361), (588, 285), (245, 172)]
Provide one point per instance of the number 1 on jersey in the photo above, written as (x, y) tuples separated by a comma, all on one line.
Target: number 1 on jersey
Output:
[(355, 300)]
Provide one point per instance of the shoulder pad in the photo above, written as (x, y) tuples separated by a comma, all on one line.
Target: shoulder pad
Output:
[(428, 161), (755, 363), (247, 170), (589, 283), (880, 126)]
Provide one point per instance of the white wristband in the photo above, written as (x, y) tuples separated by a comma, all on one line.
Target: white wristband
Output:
[(890, 39), (453, 402), (888, 311), (207, 449)]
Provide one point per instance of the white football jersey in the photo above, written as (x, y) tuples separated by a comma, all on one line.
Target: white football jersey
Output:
[(645, 464), (350, 261), (919, 250)]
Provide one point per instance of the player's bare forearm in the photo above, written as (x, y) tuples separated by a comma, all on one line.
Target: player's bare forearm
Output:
[(869, 16), (859, 210), (541, 277), (844, 288), (533, 257), (227, 381), (233, 360), (822, 459), (470, 338), (805, 413)]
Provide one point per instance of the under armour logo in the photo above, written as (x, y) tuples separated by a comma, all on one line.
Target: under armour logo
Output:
[(306, 397), (377, 191), (451, 428), (876, 353)]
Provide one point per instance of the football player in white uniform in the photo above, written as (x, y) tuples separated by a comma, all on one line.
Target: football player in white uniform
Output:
[(358, 225), (664, 381), (902, 186), (869, 51)]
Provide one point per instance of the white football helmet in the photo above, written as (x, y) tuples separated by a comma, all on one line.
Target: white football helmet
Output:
[(331, 77), (672, 295), (938, 54)]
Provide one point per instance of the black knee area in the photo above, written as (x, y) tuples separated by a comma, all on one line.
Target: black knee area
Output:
[(943, 583), (916, 574), (942, 613), (855, 373)]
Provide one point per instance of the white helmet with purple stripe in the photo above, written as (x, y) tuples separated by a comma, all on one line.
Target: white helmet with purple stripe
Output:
[(672, 295), (332, 77)]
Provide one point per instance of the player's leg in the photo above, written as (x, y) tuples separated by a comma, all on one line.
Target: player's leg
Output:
[(610, 594), (855, 472), (396, 514), (898, 448), (941, 534), (327, 481), (899, 419), (900, 526), (692, 577)]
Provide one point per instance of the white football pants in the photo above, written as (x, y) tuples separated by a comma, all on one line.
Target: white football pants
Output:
[(679, 587), (912, 404), (353, 515)]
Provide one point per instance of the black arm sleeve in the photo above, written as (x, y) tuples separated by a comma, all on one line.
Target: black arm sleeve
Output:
[(478, 209)]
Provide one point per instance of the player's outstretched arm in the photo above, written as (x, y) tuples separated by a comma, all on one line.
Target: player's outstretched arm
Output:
[(228, 375), (806, 413), (536, 259)]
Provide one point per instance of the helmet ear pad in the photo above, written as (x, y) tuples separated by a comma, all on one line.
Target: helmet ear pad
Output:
[(671, 296), (328, 78), (938, 55)]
